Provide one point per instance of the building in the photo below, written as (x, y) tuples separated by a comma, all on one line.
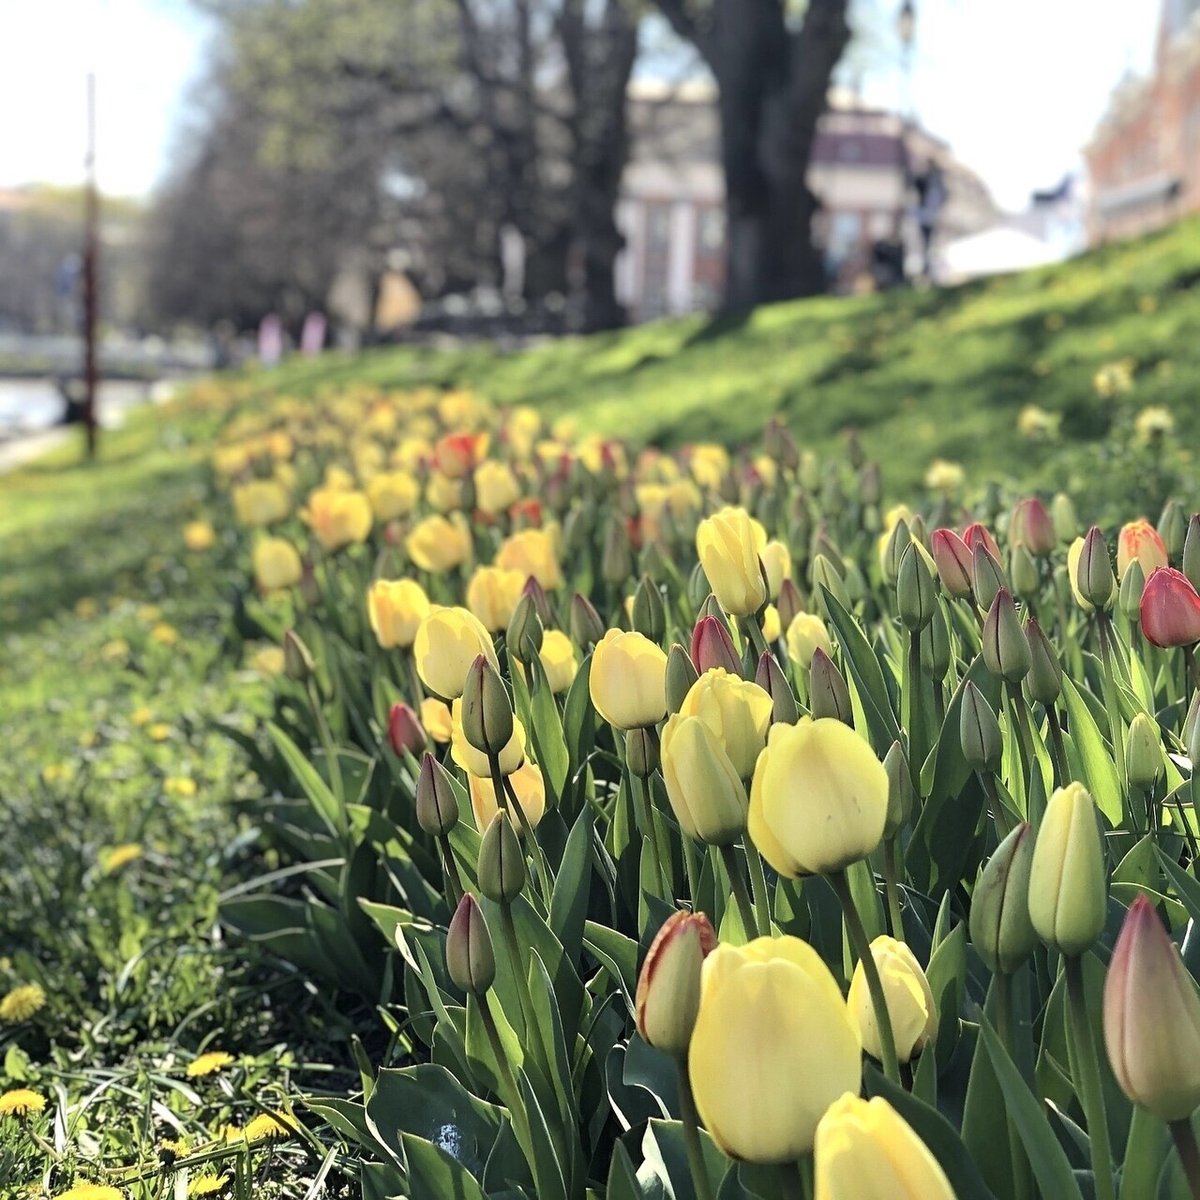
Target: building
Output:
[(864, 160), (1144, 158)]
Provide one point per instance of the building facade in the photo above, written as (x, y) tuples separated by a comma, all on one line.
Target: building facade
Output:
[(1144, 158)]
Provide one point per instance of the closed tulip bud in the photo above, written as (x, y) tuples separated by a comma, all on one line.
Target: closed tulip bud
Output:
[(870, 483), (298, 661), (1143, 753), (616, 557), (856, 584), (1068, 890), (698, 589), (772, 1049), (909, 998), (864, 1148), (437, 806), (736, 710), (501, 868), (1062, 513), (728, 544), (916, 592), (1044, 681), (1170, 609), (935, 646), (628, 680), (1091, 573), (1023, 572), (712, 647), (979, 731), (586, 626), (1139, 540), (668, 989), (953, 560), (1000, 928), (641, 751), (525, 633), (649, 616), (898, 542), (404, 731), (1005, 647), (918, 530), (987, 575), (1191, 551), (825, 575), (706, 793), (1173, 528), (1152, 1018), (828, 695), (654, 563), (819, 798), (681, 674), (470, 961), (770, 677), (1129, 594), (1033, 527), (802, 519), (789, 602), (977, 534), (448, 641), (487, 716), (541, 603), (901, 797)]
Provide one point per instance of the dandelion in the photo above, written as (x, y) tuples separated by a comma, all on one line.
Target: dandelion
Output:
[(1154, 422), (179, 785), (268, 660), (22, 1002), (115, 650), (1114, 379), (1035, 422), (164, 634), (171, 1149), (265, 1125), (20, 1102), (209, 1064), (91, 1191), (116, 857), (159, 731), (208, 1185), (199, 536), (141, 716)]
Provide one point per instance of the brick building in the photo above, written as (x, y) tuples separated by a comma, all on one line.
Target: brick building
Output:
[(1144, 158)]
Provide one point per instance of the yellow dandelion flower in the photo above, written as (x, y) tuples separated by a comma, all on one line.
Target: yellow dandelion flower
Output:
[(1114, 379), (116, 857), (115, 650), (22, 1002), (91, 1191), (159, 731), (265, 1125), (208, 1185), (209, 1064), (268, 660), (55, 773), (164, 634), (169, 1149), (1153, 422), (179, 785), (141, 716), (20, 1102), (86, 607), (199, 536)]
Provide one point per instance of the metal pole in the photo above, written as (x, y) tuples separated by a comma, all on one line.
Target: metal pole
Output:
[(90, 255)]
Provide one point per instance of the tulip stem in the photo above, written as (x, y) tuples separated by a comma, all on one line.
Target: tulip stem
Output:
[(917, 750), (752, 630), (738, 883), (1024, 731), (691, 1132), (645, 811), (524, 995), (862, 947), (547, 879), (758, 882), (1008, 1036), (1184, 1137), (1062, 770), (453, 880), (1189, 657), (891, 890), (1091, 1093), (1116, 736), (331, 757), (516, 1109)]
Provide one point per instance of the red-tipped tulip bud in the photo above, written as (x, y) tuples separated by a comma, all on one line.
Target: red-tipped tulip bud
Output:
[(953, 560), (1152, 1018), (712, 646), (1005, 647), (1191, 551), (978, 534), (979, 731), (586, 626), (901, 797), (770, 677), (470, 962), (541, 602), (1000, 928), (1033, 527), (649, 616), (501, 867), (487, 716), (405, 731), (916, 591), (1129, 594), (987, 575), (668, 989), (681, 674), (1173, 528), (790, 602), (1170, 610), (1044, 681), (828, 694), (437, 806)]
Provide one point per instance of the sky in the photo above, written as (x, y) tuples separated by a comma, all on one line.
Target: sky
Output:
[(1015, 86)]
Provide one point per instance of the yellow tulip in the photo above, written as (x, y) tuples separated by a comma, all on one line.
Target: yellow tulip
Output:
[(706, 793), (475, 762), (529, 786), (910, 1002), (558, 660), (533, 553), (199, 536), (492, 595), (438, 544), (819, 798), (437, 720), (628, 680), (444, 493), (737, 711), (276, 564), (777, 562), (260, 502), (709, 464), (393, 494), (448, 641), (772, 1049), (805, 635), (395, 608), (338, 518), (729, 543), (866, 1151), (496, 487), (772, 628)]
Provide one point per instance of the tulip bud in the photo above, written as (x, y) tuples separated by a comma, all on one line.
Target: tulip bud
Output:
[(404, 731), (1129, 593), (698, 587), (908, 996), (1024, 573), (501, 868), (1143, 753), (649, 616), (525, 633), (1044, 681), (935, 646), (586, 626), (770, 677), (654, 564), (641, 751), (1173, 529), (979, 731), (898, 542), (1170, 609), (901, 797), (916, 592), (1033, 527), (706, 793), (918, 530), (987, 575), (825, 575), (1066, 523), (1152, 1018), (1001, 931), (616, 558), (1092, 571), (712, 646), (470, 962), (789, 602), (977, 534), (668, 988), (802, 519), (681, 674), (1191, 551), (1191, 729), (870, 483), (297, 658), (436, 804), (541, 603), (953, 561), (1005, 647), (487, 716), (828, 695), (1068, 891)]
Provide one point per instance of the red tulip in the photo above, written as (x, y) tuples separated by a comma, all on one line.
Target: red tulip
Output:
[(1032, 527), (1170, 609), (952, 557), (978, 532), (405, 731)]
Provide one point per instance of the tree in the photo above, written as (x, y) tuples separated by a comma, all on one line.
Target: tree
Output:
[(772, 77)]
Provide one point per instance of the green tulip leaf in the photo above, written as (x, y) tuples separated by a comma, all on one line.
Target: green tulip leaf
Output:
[(1091, 756)]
